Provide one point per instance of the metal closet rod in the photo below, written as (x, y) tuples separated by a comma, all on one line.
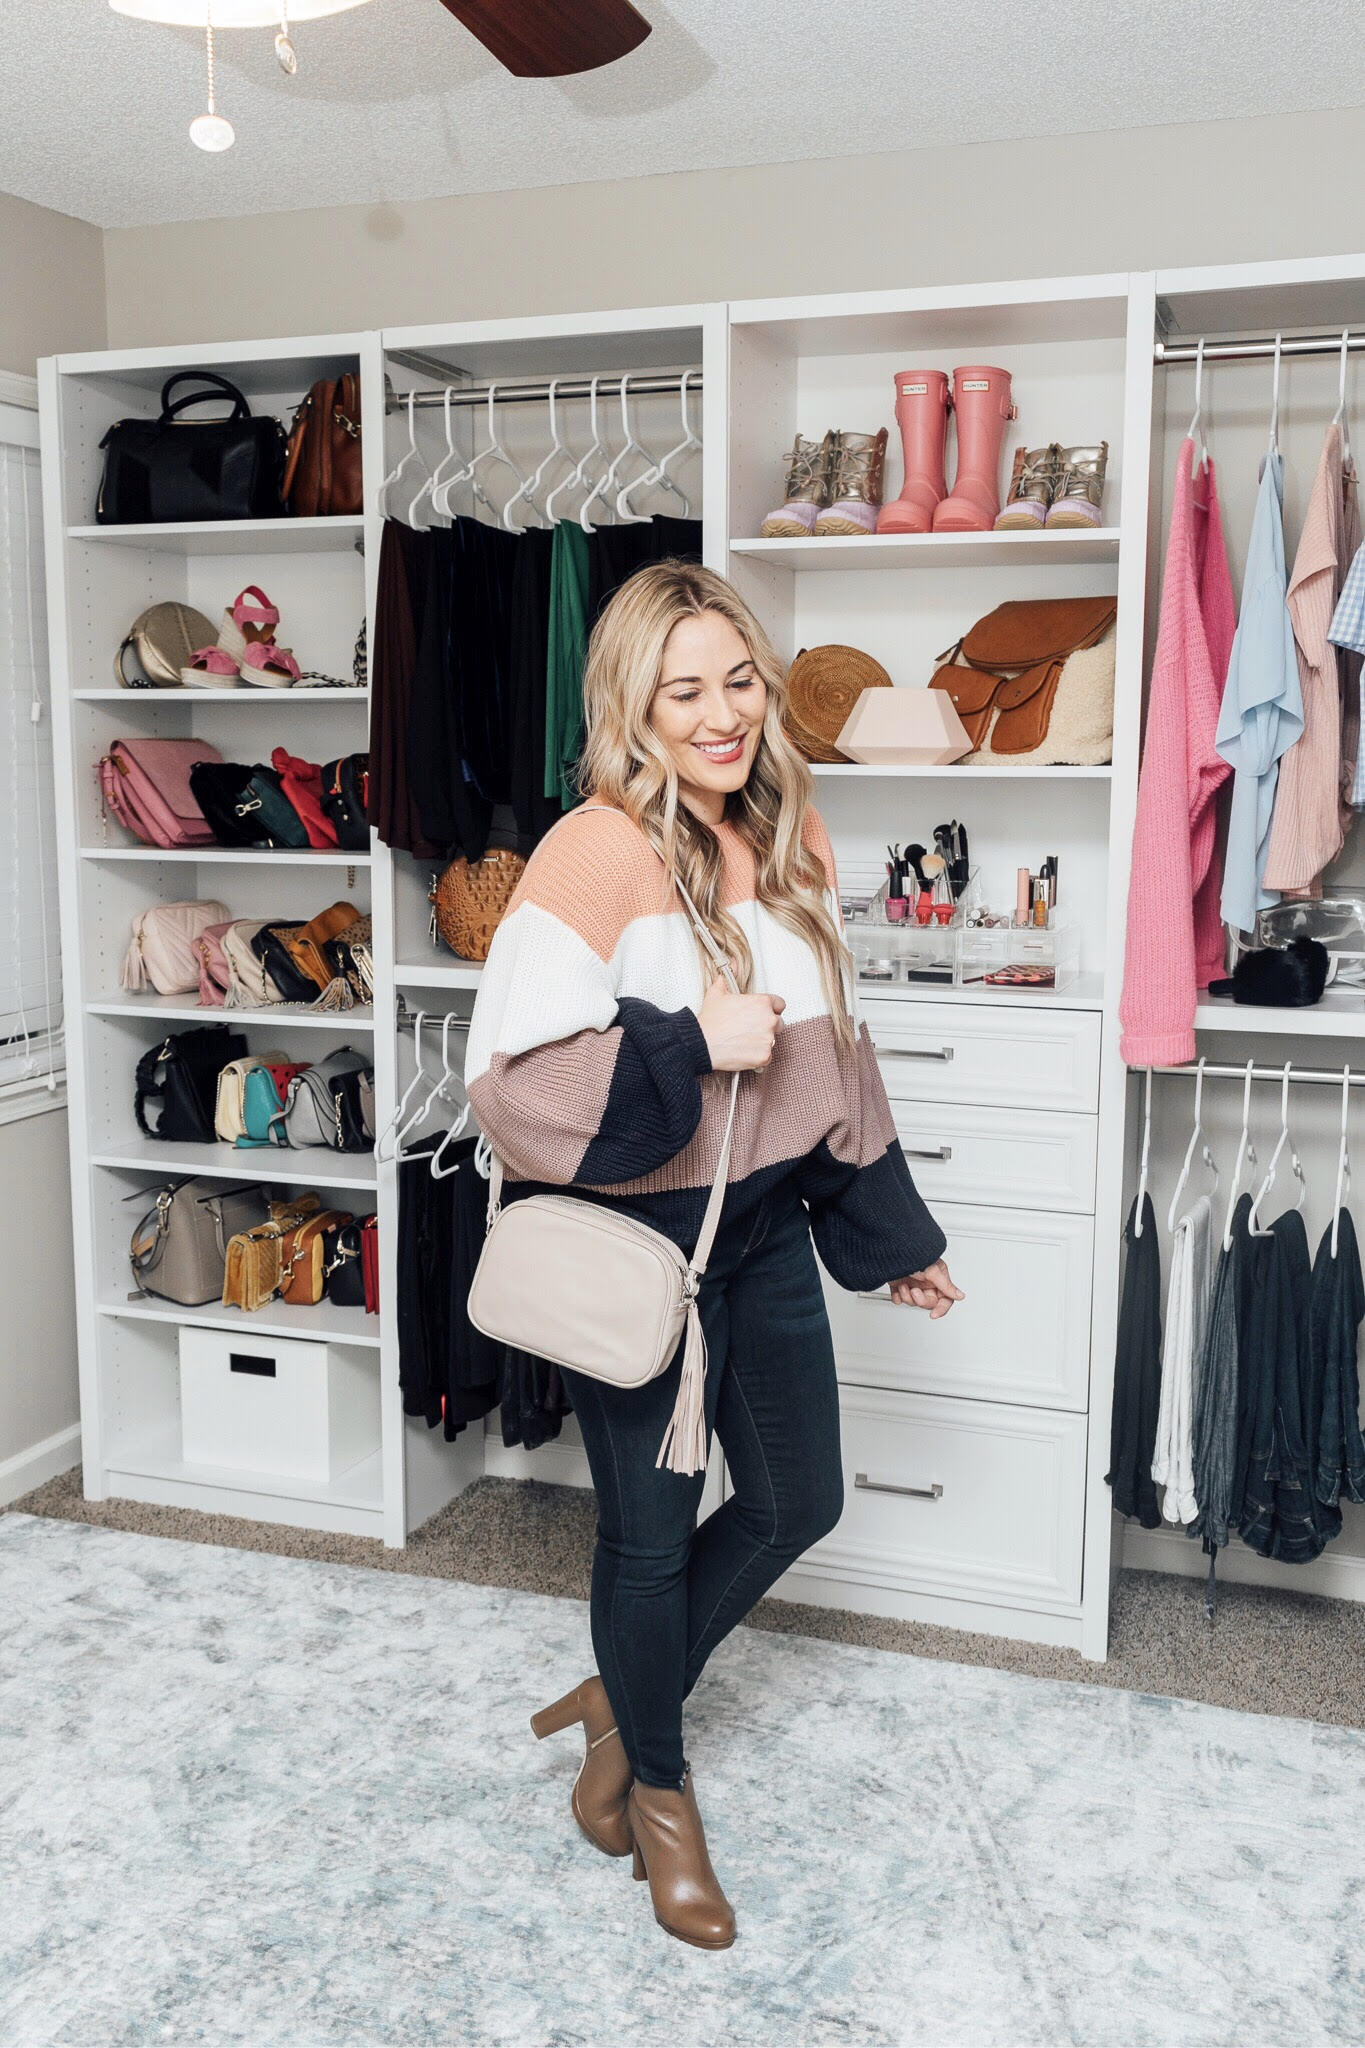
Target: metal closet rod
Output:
[(1166, 352), (1323, 1077), (510, 391)]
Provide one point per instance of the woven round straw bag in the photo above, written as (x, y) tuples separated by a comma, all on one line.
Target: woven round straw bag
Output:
[(469, 901), (823, 685)]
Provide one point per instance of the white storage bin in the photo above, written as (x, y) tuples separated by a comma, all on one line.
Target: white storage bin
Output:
[(275, 1404)]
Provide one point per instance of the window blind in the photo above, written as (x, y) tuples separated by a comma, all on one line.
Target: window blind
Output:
[(30, 955)]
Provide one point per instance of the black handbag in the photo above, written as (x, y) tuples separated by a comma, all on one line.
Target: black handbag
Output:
[(172, 468), (345, 799), (293, 984), (246, 805), (344, 1270), (181, 1074), (353, 1128)]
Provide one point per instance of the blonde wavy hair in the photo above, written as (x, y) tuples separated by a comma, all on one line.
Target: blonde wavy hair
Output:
[(625, 763)]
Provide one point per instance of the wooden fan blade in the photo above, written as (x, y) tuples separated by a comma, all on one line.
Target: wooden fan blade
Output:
[(552, 38)]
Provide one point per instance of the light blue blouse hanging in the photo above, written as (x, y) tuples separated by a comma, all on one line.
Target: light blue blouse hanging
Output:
[(1262, 711)]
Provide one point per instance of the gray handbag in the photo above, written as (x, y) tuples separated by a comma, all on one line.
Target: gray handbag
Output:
[(310, 1114), (179, 1247)]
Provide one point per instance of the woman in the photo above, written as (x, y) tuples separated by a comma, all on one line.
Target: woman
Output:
[(599, 1057)]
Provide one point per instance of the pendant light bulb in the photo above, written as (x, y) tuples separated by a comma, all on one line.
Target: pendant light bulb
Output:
[(211, 131)]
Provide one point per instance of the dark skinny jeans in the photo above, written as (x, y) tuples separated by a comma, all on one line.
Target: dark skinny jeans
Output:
[(664, 1591)]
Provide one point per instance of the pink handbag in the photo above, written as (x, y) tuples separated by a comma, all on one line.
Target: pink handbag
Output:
[(163, 951), (146, 784), (215, 974)]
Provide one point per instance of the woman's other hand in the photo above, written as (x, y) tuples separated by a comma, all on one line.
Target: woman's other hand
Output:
[(739, 1030), (932, 1289)]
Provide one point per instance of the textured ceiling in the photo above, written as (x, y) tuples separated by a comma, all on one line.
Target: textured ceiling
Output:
[(396, 101)]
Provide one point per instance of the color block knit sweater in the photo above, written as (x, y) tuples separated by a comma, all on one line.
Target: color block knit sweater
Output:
[(586, 1065)]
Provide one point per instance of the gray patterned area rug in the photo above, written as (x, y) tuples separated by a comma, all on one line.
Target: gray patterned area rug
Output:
[(253, 1799)]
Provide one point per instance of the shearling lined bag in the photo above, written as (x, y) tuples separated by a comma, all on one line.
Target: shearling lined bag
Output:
[(1034, 682)]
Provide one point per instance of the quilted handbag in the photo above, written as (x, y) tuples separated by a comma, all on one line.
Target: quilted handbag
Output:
[(263, 1098), (253, 1270), (179, 1247), (469, 901), (215, 973), (146, 784), (322, 469), (306, 1253), (181, 1075), (250, 987), (229, 1118), (163, 951), (346, 800), (311, 1113), (1033, 682), (245, 805), (172, 468)]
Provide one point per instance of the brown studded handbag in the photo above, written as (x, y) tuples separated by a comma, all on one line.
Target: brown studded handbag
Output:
[(1033, 681)]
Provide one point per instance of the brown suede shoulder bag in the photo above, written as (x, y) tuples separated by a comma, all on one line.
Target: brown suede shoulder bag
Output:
[(1005, 674)]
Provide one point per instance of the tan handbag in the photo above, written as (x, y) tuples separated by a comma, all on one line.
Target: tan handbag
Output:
[(589, 1288), (469, 900), (229, 1116), (304, 1255), (1034, 682), (253, 1270)]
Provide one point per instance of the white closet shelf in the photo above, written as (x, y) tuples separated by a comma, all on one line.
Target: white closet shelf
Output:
[(1086, 992), (246, 693), (990, 771), (438, 974), (934, 550), (294, 1166), (1340, 1014), (359, 1489), (361, 1018), (231, 536), (324, 1319), (260, 856)]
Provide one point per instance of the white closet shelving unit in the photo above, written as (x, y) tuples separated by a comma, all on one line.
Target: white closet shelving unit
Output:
[(1252, 302)]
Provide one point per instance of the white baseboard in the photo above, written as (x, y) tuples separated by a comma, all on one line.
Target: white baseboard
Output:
[(34, 1467), (557, 1464), (1336, 1575)]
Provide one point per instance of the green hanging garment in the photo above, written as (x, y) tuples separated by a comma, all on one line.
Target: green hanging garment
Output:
[(564, 666)]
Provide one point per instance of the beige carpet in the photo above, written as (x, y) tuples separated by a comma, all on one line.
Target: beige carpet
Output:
[(1269, 1653)]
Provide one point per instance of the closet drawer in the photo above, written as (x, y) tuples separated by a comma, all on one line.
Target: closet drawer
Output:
[(958, 1497), (1021, 1335), (1013, 1158), (960, 1052)]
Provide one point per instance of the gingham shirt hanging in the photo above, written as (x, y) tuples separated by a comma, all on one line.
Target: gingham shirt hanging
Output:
[(1348, 630)]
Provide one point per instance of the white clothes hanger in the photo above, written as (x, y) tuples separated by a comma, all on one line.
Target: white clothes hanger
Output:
[(1146, 1156), (1274, 448), (451, 457), (631, 447), (1343, 1159), (494, 452), (557, 453), (605, 486), (468, 474), (659, 476), (579, 479), (412, 453), (1246, 1156), (391, 1127), (1195, 1136), (1339, 418), (439, 1092), (1200, 458), (1254, 1219)]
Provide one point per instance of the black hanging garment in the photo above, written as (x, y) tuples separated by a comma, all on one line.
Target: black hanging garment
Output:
[(423, 1309), (1137, 1373), (404, 568), (1216, 1394), (616, 552), (528, 656), (1278, 1509), (1338, 1305)]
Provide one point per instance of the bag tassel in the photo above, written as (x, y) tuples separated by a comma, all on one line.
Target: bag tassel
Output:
[(684, 1446)]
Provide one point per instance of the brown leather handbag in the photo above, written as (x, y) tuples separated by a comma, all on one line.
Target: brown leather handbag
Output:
[(469, 901), (1034, 681), (306, 1252), (322, 466), (296, 955)]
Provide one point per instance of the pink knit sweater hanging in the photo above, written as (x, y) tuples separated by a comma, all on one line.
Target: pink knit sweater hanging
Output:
[(1175, 938)]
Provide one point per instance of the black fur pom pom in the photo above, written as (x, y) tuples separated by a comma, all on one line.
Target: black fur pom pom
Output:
[(1288, 978)]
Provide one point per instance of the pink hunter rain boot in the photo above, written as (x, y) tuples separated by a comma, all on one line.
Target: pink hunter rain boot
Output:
[(922, 406), (981, 400)]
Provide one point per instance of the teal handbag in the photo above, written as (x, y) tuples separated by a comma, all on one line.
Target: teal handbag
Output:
[(263, 1099)]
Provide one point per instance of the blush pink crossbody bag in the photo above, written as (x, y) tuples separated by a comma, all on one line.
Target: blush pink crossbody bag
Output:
[(589, 1288)]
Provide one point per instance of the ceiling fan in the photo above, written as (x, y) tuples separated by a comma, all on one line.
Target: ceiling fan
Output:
[(530, 38)]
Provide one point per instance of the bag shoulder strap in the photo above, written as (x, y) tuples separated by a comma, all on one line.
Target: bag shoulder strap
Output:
[(710, 1222)]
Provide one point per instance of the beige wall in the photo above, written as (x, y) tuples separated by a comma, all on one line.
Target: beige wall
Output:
[(51, 284), (1212, 192)]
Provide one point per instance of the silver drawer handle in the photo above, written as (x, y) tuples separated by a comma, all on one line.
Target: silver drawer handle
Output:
[(866, 1485), (927, 1151), (912, 1052)]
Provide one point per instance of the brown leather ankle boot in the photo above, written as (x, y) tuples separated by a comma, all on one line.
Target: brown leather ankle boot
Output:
[(599, 1792), (670, 1850)]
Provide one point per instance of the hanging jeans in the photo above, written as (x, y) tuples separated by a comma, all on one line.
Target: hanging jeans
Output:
[(664, 1591)]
